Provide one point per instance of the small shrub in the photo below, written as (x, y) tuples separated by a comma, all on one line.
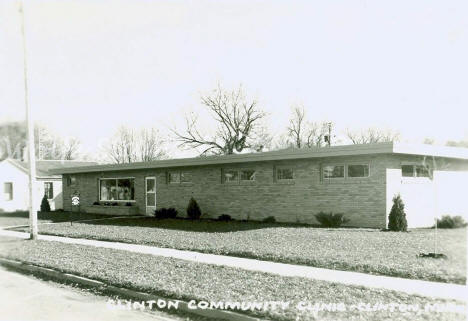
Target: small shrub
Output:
[(165, 213), (45, 206), (397, 217), (224, 218), (107, 203), (128, 204), (193, 210), (448, 221), (331, 219), (115, 204), (96, 203), (269, 219)]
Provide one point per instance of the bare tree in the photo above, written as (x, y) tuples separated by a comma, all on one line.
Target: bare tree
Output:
[(51, 146), (238, 122), (461, 143), (128, 146), (70, 148), (372, 135), (302, 133), (428, 141), (12, 140), (150, 145)]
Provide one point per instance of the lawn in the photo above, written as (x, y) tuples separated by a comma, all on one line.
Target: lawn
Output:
[(362, 250), (22, 218), (184, 280)]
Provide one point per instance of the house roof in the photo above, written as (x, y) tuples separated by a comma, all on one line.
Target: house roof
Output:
[(347, 150), (44, 167)]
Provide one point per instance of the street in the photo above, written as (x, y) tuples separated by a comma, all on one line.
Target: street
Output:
[(25, 297)]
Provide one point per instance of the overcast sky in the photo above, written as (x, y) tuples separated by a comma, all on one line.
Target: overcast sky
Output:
[(94, 65)]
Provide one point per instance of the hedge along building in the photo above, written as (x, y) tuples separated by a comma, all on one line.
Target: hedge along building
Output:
[(291, 185)]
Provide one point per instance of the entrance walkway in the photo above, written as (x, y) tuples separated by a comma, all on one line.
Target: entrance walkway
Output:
[(417, 287)]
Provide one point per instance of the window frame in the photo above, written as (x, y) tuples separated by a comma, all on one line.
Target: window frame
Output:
[(48, 189), (169, 177), (116, 184), (236, 181), (334, 178), (71, 180), (280, 168), (357, 164), (10, 193), (415, 166), (181, 173), (247, 170)]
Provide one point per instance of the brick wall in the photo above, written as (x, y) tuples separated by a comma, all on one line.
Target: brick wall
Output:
[(362, 200)]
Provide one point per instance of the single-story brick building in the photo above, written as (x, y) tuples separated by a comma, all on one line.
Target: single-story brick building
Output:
[(291, 185)]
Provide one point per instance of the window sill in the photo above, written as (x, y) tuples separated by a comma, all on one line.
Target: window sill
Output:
[(286, 182)]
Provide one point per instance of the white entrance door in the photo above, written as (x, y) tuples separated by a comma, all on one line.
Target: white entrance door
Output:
[(150, 195)]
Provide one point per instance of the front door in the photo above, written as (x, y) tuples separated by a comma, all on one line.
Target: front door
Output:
[(150, 195)]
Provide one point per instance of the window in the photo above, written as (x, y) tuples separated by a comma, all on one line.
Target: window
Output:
[(284, 173), (414, 171), (247, 175), (407, 170), (358, 170), (8, 191), (117, 189), (49, 190), (421, 171), (333, 171), (185, 177), (71, 180), (174, 177), (230, 176), (179, 177)]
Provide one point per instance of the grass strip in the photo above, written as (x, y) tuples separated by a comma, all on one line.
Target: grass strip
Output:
[(360, 250), (184, 280)]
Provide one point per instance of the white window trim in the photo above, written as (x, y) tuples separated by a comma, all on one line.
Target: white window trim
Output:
[(334, 178), (52, 183), (357, 177), (114, 178)]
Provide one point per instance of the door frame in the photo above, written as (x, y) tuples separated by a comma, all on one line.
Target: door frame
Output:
[(150, 208)]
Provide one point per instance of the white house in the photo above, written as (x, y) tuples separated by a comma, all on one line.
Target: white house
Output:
[(14, 182)]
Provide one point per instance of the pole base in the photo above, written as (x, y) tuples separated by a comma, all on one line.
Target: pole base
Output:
[(433, 255)]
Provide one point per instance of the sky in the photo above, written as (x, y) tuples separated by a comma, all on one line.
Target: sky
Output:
[(95, 65)]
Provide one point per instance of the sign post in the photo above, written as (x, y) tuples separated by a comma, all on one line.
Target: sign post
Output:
[(75, 199)]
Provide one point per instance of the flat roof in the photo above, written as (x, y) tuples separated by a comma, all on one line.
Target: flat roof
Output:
[(287, 154)]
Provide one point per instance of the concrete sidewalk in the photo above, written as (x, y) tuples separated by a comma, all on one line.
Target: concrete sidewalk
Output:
[(417, 287)]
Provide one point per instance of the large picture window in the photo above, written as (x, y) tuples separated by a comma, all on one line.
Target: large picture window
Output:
[(117, 189)]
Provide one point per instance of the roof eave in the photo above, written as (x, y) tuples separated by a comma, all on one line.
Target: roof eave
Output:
[(239, 158)]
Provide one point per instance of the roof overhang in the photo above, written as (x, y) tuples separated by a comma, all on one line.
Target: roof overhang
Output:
[(334, 151)]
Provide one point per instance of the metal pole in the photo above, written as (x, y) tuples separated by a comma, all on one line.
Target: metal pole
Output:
[(31, 151)]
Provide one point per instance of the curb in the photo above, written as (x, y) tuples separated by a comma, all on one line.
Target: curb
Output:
[(124, 292)]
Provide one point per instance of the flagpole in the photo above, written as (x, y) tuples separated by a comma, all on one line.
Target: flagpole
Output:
[(30, 130)]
